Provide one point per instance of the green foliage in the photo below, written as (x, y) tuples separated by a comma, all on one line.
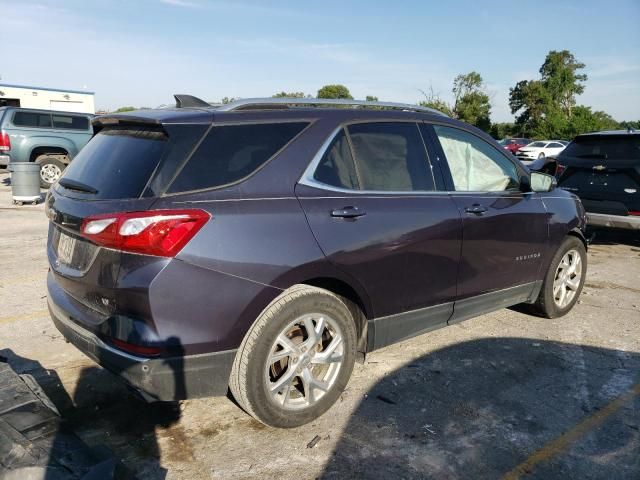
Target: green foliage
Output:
[(584, 120), (471, 103), (371, 98), (504, 130), (334, 91), (284, 94), (226, 100), (546, 108), (627, 124), (125, 109)]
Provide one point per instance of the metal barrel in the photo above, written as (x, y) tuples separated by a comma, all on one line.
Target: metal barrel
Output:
[(25, 181)]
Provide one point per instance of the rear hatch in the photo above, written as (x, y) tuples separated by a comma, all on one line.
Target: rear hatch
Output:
[(121, 170), (604, 171)]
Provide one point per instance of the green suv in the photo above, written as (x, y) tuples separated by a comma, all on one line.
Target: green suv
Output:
[(51, 139)]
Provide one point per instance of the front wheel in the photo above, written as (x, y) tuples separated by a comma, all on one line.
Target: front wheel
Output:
[(564, 280), (296, 359), (541, 155)]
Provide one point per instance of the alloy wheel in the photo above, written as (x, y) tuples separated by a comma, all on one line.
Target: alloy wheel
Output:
[(304, 361), (567, 279)]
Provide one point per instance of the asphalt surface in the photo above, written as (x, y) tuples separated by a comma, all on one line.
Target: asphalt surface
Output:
[(502, 395)]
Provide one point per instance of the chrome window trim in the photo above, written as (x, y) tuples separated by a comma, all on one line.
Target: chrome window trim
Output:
[(308, 180)]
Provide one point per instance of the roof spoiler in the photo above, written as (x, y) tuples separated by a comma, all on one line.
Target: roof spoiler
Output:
[(189, 101)]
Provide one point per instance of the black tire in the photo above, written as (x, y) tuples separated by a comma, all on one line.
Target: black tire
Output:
[(248, 382), (53, 163), (545, 305), (541, 155)]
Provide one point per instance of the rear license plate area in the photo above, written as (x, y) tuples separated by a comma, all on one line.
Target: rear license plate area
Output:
[(66, 248)]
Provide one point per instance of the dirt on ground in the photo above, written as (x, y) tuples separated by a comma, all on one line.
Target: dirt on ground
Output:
[(502, 395)]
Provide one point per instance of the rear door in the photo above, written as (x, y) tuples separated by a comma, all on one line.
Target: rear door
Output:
[(504, 229), (604, 171), (371, 198)]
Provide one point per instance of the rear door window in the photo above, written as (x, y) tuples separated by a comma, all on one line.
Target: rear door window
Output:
[(118, 161), (32, 119), (72, 122), (336, 168), (390, 156), (230, 153)]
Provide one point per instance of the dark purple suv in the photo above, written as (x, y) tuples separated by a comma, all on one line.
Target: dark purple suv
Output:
[(265, 245)]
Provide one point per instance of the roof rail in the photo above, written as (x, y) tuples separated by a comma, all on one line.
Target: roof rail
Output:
[(283, 102)]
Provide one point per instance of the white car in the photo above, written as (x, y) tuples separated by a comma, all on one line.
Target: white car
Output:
[(540, 149)]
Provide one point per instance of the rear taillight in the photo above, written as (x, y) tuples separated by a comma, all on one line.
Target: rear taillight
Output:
[(560, 169), (5, 142), (161, 233), (634, 212)]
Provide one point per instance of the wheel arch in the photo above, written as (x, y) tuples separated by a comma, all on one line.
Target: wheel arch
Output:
[(359, 304), (47, 150)]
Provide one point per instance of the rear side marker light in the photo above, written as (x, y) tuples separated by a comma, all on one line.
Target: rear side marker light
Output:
[(161, 233)]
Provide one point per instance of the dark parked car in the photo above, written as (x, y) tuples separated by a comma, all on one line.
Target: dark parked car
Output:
[(264, 246), (603, 169), (514, 144)]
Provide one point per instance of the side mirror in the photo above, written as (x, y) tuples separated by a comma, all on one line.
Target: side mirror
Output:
[(541, 182)]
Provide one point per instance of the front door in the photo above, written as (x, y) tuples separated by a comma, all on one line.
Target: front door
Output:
[(372, 204), (504, 229)]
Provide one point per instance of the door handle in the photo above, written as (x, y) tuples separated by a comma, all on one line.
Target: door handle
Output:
[(348, 212), (476, 209)]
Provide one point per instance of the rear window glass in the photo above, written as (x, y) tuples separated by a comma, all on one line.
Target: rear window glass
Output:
[(537, 144), (230, 153), (118, 161), (612, 148), (72, 122), (32, 119)]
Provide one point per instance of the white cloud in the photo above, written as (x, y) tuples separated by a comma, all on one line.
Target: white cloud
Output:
[(180, 3)]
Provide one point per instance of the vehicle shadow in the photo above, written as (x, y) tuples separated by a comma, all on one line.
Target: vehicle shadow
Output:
[(480, 408), (103, 411)]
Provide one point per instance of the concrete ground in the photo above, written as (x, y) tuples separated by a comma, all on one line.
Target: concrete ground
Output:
[(502, 395)]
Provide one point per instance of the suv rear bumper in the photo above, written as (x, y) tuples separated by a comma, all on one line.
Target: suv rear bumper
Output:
[(5, 160), (613, 221), (156, 379)]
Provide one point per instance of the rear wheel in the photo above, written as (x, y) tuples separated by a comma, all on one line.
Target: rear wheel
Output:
[(564, 280), (296, 359), (51, 169)]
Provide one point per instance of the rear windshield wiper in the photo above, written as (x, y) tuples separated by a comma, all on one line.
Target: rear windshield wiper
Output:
[(75, 185)]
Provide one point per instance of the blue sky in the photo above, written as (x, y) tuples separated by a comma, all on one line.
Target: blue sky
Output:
[(140, 52)]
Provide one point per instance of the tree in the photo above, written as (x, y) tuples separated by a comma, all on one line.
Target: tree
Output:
[(544, 107), (584, 120), (226, 100), (371, 98), (471, 102), (334, 91), (284, 94), (125, 109), (433, 100), (561, 80)]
